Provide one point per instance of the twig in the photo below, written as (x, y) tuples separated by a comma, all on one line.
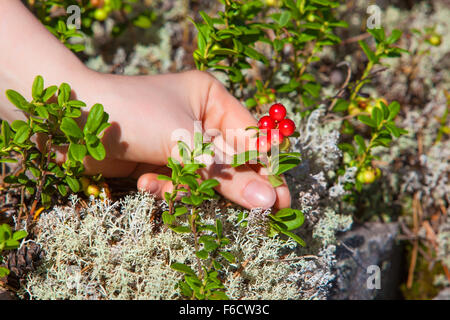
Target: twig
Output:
[(412, 265), (356, 38), (344, 85), (241, 268), (294, 259), (44, 174)]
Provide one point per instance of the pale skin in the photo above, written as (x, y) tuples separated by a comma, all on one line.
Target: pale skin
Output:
[(144, 110)]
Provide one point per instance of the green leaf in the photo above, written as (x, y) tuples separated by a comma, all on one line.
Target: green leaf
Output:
[(19, 234), (22, 134), (367, 121), (245, 157), (250, 103), (142, 21), (377, 116), (394, 109), (393, 38), (180, 210), (64, 94), (70, 128), (163, 177), (378, 34), (77, 151), (38, 87), (62, 190), (207, 19), (392, 128), (11, 244), (370, 55), (180, 229), (219, 228), (208, 184), (3, 271), (76, 103), (5, 232), (294, 237), (202, 254), (49, 92), (190, 180), (167, 218), (181, 267), (94, 119), (225, 52), (228, 256), (289, 222), (6, 132), (17, 99), (42, 112), (361, 143), (275, 181), (284, 18), (73, 183), (16, 124), (97, 150), (185, 289), (210, 245)]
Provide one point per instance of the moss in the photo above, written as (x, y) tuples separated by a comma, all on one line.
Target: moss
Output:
[(424, 286)]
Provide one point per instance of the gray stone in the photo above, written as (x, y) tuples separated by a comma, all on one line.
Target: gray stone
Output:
[(6, 295), (443, 295), (369, 263)]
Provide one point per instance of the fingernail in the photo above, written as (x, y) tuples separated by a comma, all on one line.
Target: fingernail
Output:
[(259, 195), (152, 186)]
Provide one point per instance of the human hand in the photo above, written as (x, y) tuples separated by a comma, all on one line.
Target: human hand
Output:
[(146, 110)]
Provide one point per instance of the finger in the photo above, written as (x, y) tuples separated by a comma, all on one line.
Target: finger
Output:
[(228, 115), (149, 182), (242, 185)]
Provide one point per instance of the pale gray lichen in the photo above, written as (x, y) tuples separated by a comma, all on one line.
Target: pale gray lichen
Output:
[(111, 251)]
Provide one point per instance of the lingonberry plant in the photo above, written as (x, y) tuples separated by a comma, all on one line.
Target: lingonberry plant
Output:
[(209, 241), (236, 40), (272, 140), (282, 39), (377, 114), (51, 114), (55, 16), (9, 240)]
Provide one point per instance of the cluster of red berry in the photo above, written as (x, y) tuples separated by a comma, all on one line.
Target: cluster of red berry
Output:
[(276, 126)]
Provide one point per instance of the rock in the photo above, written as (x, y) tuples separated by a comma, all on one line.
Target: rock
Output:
[(6, 295), (369, 263), (443, 295)]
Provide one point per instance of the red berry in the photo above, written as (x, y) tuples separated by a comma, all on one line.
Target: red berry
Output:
[(286, 127), (263, 143), (276, 137), (277, 112), (266, 122)]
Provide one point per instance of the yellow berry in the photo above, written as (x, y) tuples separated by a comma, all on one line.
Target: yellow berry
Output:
[(93, 190), (100, 14), (435, 40), (353, 109), (366, 176)]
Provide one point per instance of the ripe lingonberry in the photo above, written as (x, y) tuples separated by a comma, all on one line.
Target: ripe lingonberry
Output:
[(266, 122), (263, 143), (276, 137), (277, 112), (286, 127)]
